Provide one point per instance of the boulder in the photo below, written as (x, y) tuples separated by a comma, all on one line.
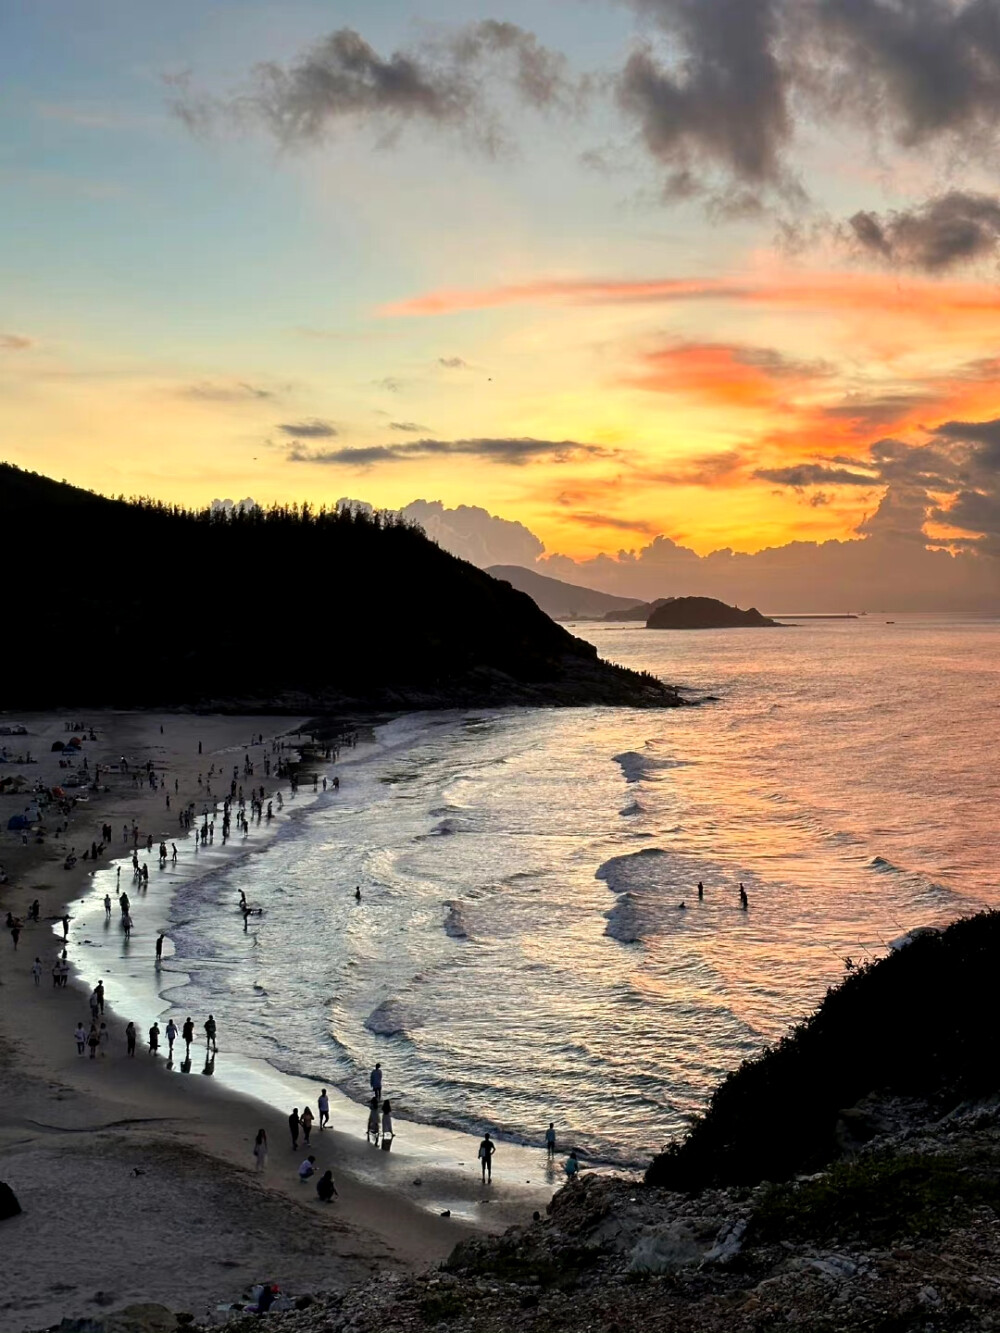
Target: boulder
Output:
[(9, 1206)]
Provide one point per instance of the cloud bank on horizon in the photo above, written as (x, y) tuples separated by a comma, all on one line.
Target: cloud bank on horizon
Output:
[(706, 275), (886, 567)]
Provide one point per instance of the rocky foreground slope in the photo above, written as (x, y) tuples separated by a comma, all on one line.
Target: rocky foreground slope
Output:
[(901, 1234)]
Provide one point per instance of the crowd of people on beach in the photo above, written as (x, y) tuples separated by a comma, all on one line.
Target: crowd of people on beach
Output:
[(100, 1039)]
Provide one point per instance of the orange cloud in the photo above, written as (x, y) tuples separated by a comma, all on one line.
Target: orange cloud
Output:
[(924, 299), (726, 374), (547, 291)]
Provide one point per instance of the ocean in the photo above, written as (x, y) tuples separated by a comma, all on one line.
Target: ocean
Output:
[(520, 953)]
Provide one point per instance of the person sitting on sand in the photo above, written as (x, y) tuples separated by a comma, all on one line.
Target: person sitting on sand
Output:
[(572, 1165), (307, 1169), (325, 1188)]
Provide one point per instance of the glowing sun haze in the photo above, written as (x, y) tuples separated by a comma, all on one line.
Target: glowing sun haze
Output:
[(612, 270)]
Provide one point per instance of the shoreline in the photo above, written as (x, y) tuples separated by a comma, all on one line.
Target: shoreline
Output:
[(125, 1111)]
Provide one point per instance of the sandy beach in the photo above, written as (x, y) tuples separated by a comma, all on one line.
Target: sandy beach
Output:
[(136, 1185)]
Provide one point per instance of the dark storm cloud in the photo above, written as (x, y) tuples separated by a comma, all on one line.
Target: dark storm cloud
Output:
[(921, 69), (986, 434), (722, 101), (508, 451), (951, 229), (814, 474), (718, 88), (314, 429)]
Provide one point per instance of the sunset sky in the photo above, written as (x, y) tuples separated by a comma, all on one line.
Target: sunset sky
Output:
[(722, 270)]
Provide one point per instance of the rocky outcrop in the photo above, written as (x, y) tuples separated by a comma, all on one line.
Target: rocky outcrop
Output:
[(9, 1206), (900, 1235), (705, 613)]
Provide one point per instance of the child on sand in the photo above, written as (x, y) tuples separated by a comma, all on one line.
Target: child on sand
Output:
[(260, 1149)]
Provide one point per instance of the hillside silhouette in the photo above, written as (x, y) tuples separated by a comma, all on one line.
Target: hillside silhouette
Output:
[(289, 608)]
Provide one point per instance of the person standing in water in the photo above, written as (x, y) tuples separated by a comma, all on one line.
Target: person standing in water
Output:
[(550, 1141), (744, 900), (159, 946), (388, 1133), (701, 891), (375, 1080), (187, 1032)]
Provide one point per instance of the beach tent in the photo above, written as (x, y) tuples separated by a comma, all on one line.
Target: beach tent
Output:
[(58, 793), (74, 743), (57, 745), (18, 821)]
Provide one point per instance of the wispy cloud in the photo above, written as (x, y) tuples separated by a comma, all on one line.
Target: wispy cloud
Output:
[(409, 427), (511, 452), (914, 297), (224, 391), (313, 429), (15, 342)]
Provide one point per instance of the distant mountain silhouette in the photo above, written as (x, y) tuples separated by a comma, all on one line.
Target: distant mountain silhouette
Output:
[(289, 609), (562, 601), (704, 613)]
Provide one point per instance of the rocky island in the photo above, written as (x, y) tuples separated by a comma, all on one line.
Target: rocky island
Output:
[(705, 613)]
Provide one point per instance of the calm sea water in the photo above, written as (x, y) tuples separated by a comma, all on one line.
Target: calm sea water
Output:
[(519, 954)]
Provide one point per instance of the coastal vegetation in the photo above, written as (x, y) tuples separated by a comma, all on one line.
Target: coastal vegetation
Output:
[(289, 608), (916, 1024)]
